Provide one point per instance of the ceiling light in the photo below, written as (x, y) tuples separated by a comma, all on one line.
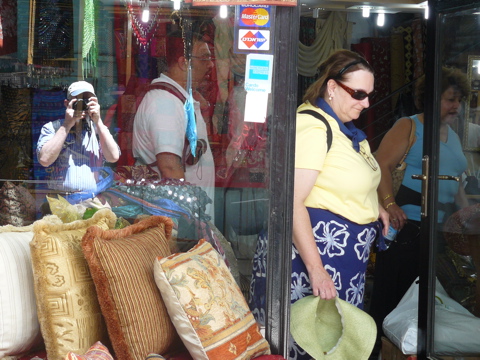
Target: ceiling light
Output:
[(176, 4), (146, 12), (223, 11), (381, 19), (365, 11)]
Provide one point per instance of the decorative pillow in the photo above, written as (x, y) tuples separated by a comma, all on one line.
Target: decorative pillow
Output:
[(19, 327), (121, 263), (17, 205), (97, 351), (68, 310), (207, 306)]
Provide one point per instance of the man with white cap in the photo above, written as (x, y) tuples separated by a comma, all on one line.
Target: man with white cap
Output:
[(75, 148)]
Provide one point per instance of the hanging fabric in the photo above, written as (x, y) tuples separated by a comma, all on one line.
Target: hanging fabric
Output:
[(89, 43)]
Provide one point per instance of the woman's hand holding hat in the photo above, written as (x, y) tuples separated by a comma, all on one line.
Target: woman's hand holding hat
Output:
[(322, 284)]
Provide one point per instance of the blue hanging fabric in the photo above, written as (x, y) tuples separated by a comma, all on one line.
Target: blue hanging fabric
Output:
[(191, 128)]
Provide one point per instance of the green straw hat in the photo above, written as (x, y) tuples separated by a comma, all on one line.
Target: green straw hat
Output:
[(332, 329)]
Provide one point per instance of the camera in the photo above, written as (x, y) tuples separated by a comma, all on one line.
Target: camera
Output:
[(79, 106)]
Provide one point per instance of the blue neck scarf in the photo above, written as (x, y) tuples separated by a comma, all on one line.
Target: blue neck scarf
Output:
[(348, 128)]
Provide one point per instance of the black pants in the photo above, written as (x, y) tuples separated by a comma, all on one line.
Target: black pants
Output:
[(395, 270)]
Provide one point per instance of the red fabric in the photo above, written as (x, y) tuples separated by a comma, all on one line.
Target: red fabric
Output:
[(8, 27), (35, 354)]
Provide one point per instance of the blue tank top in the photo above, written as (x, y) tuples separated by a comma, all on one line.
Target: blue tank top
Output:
[(452, 162)]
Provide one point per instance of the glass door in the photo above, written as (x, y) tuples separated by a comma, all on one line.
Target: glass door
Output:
[(449, 293)]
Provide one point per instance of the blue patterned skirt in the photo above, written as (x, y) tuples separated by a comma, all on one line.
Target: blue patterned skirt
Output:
[(344, 247)]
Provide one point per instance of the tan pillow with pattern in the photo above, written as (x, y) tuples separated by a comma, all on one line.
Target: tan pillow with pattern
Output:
[(67, 305)]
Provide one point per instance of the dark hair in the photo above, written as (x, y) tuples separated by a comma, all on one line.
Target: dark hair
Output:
[(337, 66), (175, 45), (451, 77)]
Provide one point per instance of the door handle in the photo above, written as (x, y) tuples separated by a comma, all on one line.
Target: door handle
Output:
[(423, 177), (449, 177)]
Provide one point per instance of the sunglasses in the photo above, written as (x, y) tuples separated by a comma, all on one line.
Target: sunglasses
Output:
[(356, 94)]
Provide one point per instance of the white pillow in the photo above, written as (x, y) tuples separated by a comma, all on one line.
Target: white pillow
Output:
[(19, 326)]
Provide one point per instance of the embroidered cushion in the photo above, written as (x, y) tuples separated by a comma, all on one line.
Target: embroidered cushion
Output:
[(207, 306), (121, 263), (97, 351), (67, 305)]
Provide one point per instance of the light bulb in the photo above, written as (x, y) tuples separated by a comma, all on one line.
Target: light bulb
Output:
[(145, 14), (176, 4), (223, 11), (381, 19), (365, 11)]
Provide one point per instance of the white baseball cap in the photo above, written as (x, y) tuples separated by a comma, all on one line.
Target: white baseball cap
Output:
[(79, 87)]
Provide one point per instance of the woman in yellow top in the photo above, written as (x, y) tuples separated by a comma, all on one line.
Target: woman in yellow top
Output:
[(335, 191)]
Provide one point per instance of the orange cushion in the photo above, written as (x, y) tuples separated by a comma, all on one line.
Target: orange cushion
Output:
[(121, 264)]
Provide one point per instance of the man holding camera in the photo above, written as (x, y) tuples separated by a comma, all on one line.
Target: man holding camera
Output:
[(74, 148)]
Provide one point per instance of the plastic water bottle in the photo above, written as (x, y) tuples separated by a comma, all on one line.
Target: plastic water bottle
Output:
[(392, 233)]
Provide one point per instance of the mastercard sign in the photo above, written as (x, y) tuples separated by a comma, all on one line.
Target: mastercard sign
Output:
[(254, 16)]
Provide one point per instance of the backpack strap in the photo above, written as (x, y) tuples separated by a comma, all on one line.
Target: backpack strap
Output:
[(167, 87), (321, 118), (174, 91)]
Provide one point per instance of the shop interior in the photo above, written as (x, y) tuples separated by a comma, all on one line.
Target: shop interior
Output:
[(46, 45)]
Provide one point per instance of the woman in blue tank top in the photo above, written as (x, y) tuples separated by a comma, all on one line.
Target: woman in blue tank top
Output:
[(398, 266)]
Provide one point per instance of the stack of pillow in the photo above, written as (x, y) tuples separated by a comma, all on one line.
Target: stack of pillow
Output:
[(93, 291)]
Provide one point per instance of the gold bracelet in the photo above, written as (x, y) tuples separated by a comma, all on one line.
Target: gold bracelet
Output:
[(389, 204), (386, 197)]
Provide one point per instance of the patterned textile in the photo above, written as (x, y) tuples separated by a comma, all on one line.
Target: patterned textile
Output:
[(419, 29), (67, 304), (89, 44), (53, 26), (15, 133), (97, 351), (121, 264), (207, 306), (47, 105), (406, 33), (17, 205), (345, 249), (307, 36), (380, 61)]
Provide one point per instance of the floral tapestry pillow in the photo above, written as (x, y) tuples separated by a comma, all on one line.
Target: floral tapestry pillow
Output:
[(67, 305), (207, 306)]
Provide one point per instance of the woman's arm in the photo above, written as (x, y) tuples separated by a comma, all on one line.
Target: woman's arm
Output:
[(389, 154), (321, 282)]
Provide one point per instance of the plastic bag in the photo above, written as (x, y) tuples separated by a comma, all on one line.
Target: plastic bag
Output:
[(456, 329)]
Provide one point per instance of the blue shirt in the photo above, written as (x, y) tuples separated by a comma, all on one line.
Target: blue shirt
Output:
[(452, 162)]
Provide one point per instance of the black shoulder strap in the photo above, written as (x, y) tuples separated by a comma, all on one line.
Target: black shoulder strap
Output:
[(321, 118)]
